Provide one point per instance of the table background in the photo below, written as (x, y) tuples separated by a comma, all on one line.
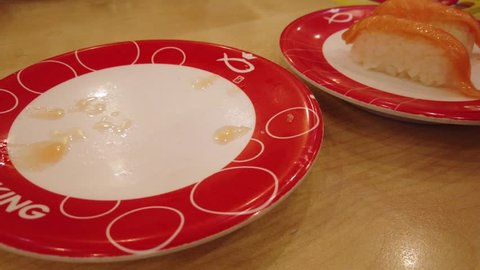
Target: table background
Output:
[(383, 194)]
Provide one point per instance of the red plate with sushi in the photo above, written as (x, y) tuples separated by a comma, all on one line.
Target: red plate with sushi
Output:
[(313, 47), (140, 148)]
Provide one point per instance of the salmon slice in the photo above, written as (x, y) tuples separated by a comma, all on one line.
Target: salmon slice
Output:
[(395, 40), (457, 22)]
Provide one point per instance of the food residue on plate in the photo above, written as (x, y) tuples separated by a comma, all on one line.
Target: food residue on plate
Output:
[(290, 118), (108, 124), (227, 134), (204, 83), (92, 106), (40, 155), (233, 91), (46, 113)]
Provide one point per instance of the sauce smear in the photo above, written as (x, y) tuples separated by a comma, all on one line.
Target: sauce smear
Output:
[(227, 134), (106, 124), (204, 83), (46, 113), (40, 155), (91, 106)]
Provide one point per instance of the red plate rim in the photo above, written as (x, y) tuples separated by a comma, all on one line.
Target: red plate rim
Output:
[(261, 83), (322, 75)]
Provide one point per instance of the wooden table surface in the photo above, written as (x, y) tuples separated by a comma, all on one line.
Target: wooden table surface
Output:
[(383, 194)]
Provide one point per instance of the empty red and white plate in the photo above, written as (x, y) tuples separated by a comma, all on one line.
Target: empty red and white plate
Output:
[(141, 148), (313, 47)]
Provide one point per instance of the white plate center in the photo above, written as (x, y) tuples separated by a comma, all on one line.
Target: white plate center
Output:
[(149, 129)]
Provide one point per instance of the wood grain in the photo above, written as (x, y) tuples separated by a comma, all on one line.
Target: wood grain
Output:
[(383, 194)]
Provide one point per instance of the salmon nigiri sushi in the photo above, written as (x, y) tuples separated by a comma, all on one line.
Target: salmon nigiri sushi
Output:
[(456, 22), (416, 50)]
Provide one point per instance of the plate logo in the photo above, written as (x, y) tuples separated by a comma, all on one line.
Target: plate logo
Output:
[(339, 17), (248, 68), (25, 209)]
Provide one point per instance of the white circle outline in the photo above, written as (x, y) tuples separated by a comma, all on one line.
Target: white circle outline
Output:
[(133, 251), (16, 101), (152, 59), (45, 61), (91, 69), (62, 210), (262, 149), (245, 212), (317, 123)]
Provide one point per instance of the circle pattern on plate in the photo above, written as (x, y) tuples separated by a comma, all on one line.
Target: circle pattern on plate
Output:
[(312, 46), (253, 180), (34, 79), (143, 223), (104, 57), (8, 101), (79, 208), (238, 191)]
